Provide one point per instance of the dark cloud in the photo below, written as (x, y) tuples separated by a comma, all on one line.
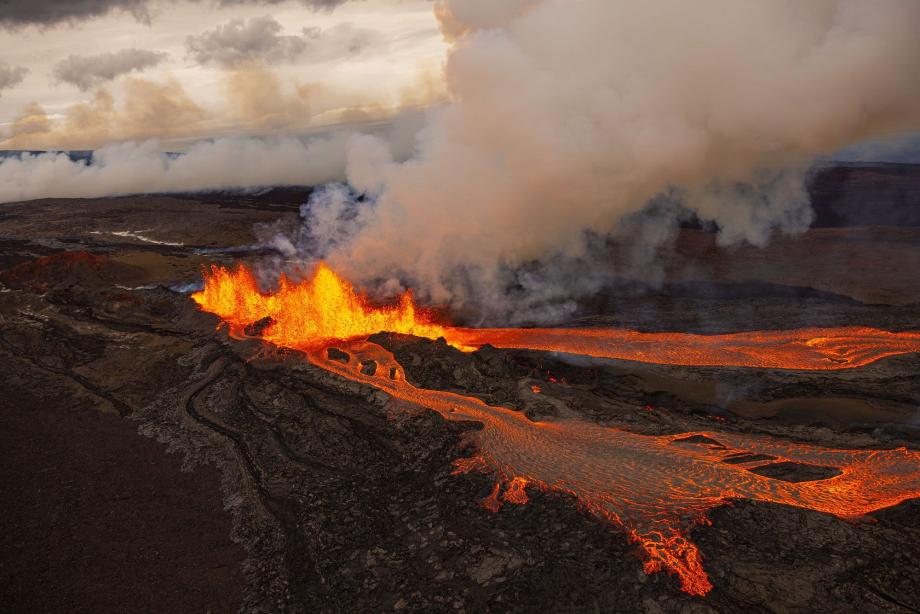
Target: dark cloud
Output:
[(316, 4), (16, 13), (260, 40), (90, 71), (238, 41), (11, 76), (49, 12)]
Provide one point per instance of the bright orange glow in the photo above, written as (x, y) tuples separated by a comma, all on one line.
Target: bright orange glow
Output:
[(310, 312), (810, 349), (325, 307), (653, 487)]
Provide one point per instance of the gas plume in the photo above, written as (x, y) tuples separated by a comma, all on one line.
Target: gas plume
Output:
[(571, 125), (568, 118)]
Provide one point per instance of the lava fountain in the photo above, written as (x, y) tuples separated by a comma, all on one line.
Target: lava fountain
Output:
[(655, 488), (326, 308)]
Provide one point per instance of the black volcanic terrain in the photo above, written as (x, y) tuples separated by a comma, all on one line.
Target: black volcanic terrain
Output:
[(150, 463)]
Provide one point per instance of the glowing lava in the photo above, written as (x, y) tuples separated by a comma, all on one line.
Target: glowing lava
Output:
[(810, 349), (653, 487), (325, 307), (309, 313)]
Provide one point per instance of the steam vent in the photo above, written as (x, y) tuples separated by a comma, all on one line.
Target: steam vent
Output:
[(313, 306)]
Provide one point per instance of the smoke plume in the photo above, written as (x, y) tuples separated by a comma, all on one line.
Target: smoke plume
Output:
[(572, 125), (573, 121)]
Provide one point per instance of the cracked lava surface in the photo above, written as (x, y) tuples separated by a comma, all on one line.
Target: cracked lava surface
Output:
[(655, 488)]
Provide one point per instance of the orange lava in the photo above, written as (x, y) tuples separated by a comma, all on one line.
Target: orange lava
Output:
[(325, 307), (310, 312), (653, 487), (811, 349)]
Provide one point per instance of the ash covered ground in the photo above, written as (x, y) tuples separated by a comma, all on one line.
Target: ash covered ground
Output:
[(151, 464)]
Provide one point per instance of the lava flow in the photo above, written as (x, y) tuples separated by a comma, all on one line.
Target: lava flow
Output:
[(653, 487), (325, 308)]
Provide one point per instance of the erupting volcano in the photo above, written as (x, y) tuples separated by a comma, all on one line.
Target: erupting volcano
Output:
[(460, 306), (653, 487), (324, 307), (309, 313)]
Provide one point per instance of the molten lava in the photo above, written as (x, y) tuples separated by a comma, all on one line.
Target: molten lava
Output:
[(325, 307), (654, 487), (809, 349), (309, 313)]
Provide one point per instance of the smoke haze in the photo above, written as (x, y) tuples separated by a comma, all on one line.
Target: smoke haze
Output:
[(569, 118), (137, 168)]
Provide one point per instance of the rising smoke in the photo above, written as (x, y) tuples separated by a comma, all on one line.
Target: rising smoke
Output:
[(574, 121)]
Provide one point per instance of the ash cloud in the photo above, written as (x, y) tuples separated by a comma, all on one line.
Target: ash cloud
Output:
[(260, 39), (11, 76), (90, 71), (571, 127), (569, 118)]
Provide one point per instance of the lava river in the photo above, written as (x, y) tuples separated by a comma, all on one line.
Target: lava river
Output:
[(655, 488)]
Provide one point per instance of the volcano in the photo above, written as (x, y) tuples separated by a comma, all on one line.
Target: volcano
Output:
[(738, 437)]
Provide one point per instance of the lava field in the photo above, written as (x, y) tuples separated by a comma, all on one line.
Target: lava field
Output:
[(752, 444)]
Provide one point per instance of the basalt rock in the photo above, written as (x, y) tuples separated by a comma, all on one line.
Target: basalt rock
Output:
[(343, 499)]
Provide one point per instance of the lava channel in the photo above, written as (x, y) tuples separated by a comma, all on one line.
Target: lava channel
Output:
[(653, 487), (324, 307)]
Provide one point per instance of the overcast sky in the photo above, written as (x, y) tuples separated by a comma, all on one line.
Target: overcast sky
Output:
[(78, 73)]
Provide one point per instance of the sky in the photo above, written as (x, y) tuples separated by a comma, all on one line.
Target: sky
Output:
[(85, 73)]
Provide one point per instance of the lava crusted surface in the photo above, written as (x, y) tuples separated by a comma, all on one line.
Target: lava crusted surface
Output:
[(311, 493)]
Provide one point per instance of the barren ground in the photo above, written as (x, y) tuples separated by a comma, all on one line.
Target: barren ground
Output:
[(152, 464)]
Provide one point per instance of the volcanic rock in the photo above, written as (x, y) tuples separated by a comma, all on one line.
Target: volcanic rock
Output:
[(257, 328), (345, 500), (338, 355), (368, 367), (796, 472)]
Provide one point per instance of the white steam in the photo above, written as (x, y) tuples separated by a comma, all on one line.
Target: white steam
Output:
[(244, 162), (570, 122), (570, 116)]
